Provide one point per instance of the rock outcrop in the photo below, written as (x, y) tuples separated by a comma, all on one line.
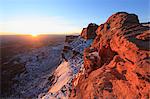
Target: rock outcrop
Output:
[(90, 31), (117, 64)]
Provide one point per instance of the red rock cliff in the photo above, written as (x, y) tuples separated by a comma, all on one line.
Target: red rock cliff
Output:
[(117, 63)]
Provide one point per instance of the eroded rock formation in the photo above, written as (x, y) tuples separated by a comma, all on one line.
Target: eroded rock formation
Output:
[(117, 65), (90, 31)]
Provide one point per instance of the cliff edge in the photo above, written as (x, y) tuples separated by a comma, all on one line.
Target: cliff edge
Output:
[(109, 61)]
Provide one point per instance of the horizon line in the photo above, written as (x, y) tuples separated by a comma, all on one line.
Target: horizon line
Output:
[(15, 33)]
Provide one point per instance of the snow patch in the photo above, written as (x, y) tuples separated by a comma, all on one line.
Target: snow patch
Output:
[(68, 70), (63, 72)]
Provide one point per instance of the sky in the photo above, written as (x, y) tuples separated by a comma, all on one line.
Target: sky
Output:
[(63, 16)]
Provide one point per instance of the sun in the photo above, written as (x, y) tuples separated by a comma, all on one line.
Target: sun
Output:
[(34, 35)]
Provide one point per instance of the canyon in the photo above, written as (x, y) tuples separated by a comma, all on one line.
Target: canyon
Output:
[(106, 61)]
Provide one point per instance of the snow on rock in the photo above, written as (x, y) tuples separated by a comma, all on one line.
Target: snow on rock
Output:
[(64, 74), (80, 44)]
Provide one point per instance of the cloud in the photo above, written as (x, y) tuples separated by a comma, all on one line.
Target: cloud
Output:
[(27, 25)]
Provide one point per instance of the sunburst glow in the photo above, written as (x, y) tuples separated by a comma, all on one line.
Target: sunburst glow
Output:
[(34, 35)]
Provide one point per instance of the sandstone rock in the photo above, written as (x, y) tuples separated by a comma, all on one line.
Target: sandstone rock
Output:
[(92, 59), (123, 71), (89, 32)]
